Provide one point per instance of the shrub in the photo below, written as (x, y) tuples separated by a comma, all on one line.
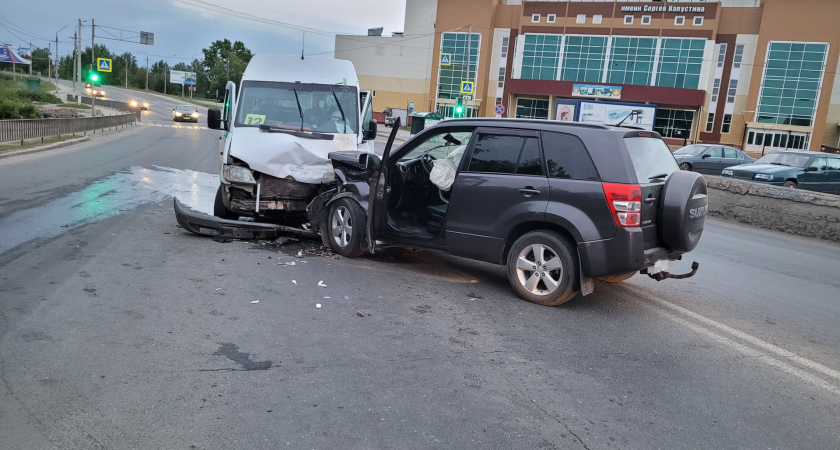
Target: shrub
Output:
[(14, 107)]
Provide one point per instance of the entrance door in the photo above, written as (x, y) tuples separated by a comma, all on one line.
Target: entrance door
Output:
[(501, 185)]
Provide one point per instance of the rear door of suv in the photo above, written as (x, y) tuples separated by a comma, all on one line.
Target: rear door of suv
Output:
[(502, 183), (653, 163)]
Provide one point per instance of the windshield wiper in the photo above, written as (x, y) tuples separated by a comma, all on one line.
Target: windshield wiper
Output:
[(661, 175), (300, 110), (298, 133), (341, 110)]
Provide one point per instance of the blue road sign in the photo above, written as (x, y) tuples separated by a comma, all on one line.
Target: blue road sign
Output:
[(467, 87), (103, 64), (411, 106), (500, 109), (446, 59)]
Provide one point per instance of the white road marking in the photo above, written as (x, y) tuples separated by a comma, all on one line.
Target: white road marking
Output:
[(203, 128), (773, 349), (195, 128)]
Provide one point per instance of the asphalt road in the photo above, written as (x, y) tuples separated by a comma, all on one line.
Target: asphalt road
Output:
[(160, 106), (120, 330)]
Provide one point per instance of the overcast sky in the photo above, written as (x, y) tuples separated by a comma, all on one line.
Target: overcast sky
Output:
[(183, 30)]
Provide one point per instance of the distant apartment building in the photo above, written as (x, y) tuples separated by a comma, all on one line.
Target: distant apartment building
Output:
[(759, 74)]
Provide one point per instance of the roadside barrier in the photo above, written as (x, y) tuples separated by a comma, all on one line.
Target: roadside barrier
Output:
[(20, 129), (794, 211)]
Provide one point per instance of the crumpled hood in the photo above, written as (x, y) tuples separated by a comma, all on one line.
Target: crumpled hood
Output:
[(282, 155), (763, 168)]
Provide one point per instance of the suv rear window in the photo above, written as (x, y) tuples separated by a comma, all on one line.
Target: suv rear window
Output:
[(650, 157), (567, 157)]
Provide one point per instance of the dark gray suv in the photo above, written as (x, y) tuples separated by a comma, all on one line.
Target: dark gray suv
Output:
[(557, 203)]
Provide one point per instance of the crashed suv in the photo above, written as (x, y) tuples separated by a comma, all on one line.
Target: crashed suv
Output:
[(556, 203)]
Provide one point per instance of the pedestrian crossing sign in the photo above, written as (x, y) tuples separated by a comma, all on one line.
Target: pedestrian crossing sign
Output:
[(467, 87), (103, 64), (446, 59)]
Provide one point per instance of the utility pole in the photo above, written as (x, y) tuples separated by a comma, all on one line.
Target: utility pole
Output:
[(92, 43), (469, 56), (78, 61), (49, 60), (31, 55), (126, 70), (147, 74)]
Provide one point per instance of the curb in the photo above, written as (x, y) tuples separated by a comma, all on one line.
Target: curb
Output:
[(45, 147)]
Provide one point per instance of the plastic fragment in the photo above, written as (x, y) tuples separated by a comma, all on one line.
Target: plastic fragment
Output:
[(326, 297), (318, 305), (360, 314), (255, 301), (294, 281), (321, 283)]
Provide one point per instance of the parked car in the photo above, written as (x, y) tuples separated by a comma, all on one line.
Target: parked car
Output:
[(709, 158), (139, 103), (796, 169), (185, 113), (555, 202)]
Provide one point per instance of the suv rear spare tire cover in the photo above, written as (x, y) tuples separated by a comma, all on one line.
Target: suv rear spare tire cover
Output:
[(682, 211)]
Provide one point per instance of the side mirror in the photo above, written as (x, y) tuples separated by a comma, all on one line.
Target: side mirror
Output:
[(173, 109), (707, 155), (214, 119), (811, 169), (370, 134), (370, 161)]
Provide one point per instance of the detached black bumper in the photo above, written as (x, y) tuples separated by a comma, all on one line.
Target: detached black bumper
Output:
[(207, 225)]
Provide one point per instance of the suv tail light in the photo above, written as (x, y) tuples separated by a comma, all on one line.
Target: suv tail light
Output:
[(625, 202)]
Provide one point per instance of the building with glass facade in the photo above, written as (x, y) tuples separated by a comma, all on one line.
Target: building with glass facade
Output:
[(756, 74)]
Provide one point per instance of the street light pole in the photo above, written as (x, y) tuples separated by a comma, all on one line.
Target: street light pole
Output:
[(147, 74)]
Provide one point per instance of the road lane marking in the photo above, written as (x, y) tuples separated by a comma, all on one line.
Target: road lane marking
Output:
[(815, 366), (769, 360)]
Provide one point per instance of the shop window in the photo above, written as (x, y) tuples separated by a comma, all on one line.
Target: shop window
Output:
[(698, 21), (710, 123), (721, 55), (679, 20), (551, 18), (597, 18), (527, 108), (793, 73), (628, 20), (739, 56), (631, 60), (673, 123), (733, 88), (450, 77), (584, 58), (540, 57), (581, 18), (716, 89), (535, 18), (645, 20), (680, 63), (726, 126)]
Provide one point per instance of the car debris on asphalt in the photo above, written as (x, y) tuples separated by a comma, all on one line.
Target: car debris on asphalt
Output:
[(321, 283)]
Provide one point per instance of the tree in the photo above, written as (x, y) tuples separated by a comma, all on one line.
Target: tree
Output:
[(40, 60), (224, 61)]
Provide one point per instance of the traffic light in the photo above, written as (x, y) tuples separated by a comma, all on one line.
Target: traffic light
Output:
[(459, 107), (93, 75)]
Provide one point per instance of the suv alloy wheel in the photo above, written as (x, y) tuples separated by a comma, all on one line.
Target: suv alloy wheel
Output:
[(542, 269)]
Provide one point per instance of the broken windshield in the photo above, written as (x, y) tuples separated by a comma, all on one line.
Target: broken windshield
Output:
[(274, 104)]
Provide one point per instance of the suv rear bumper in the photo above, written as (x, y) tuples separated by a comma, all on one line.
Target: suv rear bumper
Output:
[(625, 252)]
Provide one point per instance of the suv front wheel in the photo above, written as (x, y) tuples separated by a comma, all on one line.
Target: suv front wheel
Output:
[(542, 269)]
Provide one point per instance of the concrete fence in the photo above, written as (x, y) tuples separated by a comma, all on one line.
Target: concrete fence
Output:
[(18, 130), (120, 106), (794, 211)]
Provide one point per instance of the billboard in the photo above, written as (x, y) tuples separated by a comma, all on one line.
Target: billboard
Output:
[(21, 55), (596, 91), (181, 77), (609, 113)]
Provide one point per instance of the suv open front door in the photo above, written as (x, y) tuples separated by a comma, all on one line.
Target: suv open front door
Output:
[(377, 214)]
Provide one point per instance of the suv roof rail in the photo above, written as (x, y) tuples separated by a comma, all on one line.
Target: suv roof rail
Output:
[(548, 122)]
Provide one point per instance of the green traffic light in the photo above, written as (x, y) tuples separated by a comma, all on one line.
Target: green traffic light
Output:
[(94, 77)]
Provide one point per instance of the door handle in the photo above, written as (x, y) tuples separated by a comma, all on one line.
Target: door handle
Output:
[(529, 191), (650, 199)]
